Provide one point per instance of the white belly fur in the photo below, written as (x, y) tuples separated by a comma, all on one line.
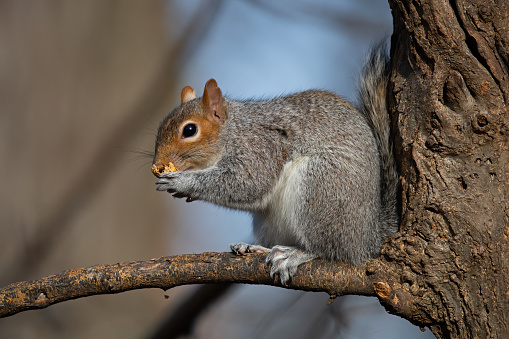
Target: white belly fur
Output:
[(278, 221)]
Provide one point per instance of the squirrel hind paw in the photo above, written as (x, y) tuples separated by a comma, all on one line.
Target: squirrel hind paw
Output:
[(285, 260), (243, 248)]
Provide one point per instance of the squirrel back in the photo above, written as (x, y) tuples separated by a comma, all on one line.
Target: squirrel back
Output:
[(317, 174)]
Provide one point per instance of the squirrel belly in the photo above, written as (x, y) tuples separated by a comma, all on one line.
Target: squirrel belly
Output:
[(317, 174), (278, 218)]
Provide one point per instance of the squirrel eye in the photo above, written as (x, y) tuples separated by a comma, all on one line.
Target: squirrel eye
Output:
[(189, 130)]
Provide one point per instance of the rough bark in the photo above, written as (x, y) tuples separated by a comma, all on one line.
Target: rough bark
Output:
[(450, 92), (334, 278)]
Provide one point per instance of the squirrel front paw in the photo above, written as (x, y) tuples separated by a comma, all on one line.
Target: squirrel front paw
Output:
[(284, 260), (172, 183)]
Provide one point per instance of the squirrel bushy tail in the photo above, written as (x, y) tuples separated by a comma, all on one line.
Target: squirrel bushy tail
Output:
[(371, 103)]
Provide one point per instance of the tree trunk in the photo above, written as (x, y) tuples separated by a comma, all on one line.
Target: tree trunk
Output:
[(449, 99)]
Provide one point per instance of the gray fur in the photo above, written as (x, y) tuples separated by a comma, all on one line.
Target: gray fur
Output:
[(371, 102), (317, 174)]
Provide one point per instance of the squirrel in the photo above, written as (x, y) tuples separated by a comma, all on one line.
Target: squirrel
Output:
[(317, 173)]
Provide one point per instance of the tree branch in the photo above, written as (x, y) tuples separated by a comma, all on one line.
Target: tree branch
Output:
[(334, 278)]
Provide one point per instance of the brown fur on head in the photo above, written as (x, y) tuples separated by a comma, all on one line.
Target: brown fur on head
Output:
[(187, 137)]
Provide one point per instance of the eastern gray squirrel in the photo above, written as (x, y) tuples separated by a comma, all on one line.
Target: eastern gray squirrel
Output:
[(317, 174)]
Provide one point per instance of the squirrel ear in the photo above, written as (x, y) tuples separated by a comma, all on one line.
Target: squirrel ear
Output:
[(212, 101), (187, 94)]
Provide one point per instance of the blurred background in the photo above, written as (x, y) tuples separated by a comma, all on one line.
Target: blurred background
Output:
[(83, 86)]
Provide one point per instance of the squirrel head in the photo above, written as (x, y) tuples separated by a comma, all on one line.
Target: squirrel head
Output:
[(188, 136)]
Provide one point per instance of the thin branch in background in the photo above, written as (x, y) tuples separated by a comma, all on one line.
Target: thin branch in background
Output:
[(324, 15), (268, 319), (181, 320)]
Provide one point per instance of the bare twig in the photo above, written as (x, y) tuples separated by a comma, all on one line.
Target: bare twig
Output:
[(180, 321)]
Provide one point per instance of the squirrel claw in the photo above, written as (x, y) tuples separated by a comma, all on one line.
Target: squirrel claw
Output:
[(164, 184), (168, 175), (284, 260), (162, 181), (164, 188), (182, 195), (243, 248)]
